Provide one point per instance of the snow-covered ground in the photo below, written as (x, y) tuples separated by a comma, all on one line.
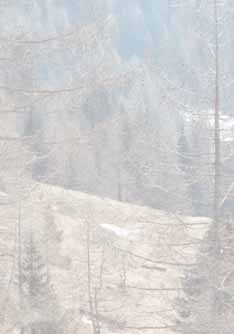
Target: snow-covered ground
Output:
[(120, 231), (207, 117), (131, 248)]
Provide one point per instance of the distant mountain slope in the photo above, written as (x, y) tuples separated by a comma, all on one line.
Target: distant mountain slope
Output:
[(136, 255), (97, 90)]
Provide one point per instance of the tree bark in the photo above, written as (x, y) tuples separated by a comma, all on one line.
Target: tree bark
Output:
[(217, 175)]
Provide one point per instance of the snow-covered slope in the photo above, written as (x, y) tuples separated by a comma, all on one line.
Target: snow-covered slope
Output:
[(206, 117), (135, 256)]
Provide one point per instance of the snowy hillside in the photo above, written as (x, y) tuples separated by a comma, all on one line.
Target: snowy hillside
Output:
[(207, 118), (136, 256)]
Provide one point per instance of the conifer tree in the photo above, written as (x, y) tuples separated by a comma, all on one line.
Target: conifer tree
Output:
[(34, 276), (206, 304), (195, 306), (38, 296)]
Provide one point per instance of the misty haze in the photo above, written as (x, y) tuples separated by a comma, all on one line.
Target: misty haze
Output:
[(116, 166)]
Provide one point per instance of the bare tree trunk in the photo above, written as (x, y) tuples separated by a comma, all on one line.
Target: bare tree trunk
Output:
[(119, 180), (217, 170), (20, 261), (90, 298), (217, 174), (98, 331)]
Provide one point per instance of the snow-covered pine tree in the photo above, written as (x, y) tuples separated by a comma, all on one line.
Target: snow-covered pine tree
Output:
[(206, 304), (196, 302), (195, 162), (38, 297), (34, 275), (184, 156), (183, 150)]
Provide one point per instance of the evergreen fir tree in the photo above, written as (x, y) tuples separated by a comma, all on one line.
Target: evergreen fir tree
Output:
[(35, 279), (38, 295), (190, 151), (183, 153), (185, 164), (195, 304)]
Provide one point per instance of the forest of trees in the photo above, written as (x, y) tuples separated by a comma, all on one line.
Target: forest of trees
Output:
[(131, 102)]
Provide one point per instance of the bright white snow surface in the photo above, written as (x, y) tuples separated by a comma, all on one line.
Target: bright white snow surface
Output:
[(120, 231), (4, 197), (207, 116), (85, 320)]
